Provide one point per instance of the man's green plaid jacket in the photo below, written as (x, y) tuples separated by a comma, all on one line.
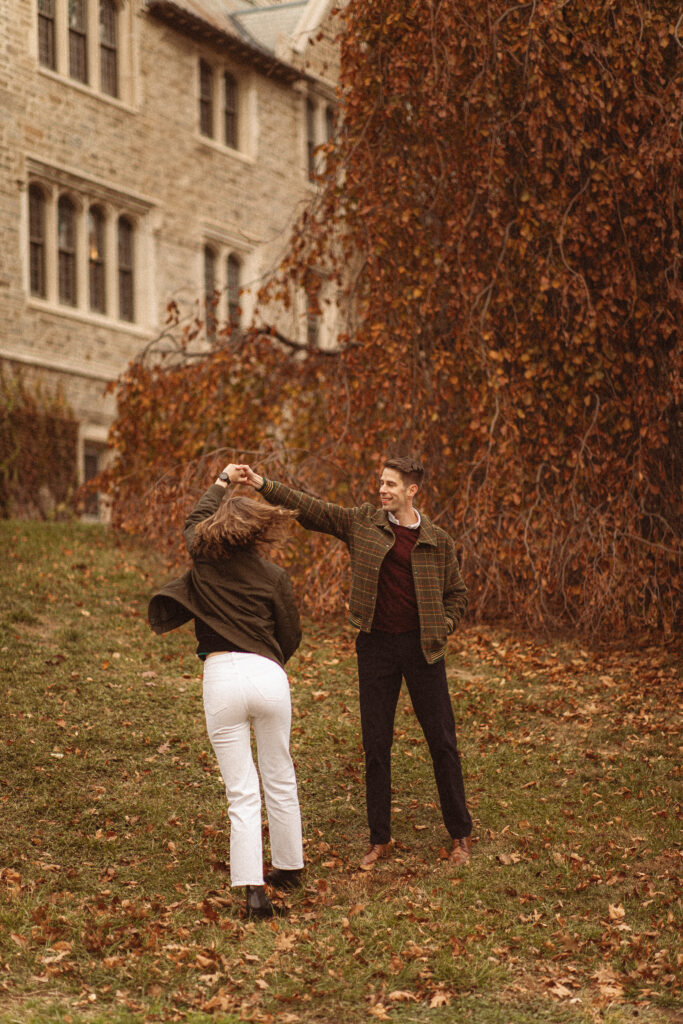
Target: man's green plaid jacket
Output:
[(439, 587)]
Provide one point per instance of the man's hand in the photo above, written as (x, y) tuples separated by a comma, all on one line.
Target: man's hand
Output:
[(251, 478)]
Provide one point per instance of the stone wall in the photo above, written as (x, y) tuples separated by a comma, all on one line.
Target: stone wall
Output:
[(145, 153)]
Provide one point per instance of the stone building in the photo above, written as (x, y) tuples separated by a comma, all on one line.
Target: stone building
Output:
[(150, 150)]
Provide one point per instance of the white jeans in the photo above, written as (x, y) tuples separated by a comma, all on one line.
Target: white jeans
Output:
[(239, 688)]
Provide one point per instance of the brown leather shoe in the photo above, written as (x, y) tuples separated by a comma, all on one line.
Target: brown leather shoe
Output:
[(461, 852), (379, 851)]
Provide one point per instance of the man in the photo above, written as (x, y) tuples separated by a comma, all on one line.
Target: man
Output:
[(407, 595)]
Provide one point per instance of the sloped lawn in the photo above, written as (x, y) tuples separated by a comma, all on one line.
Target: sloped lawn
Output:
[(114, 892)]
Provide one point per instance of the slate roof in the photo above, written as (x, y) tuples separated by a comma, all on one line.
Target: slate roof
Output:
[(265, 24), (250, 33)]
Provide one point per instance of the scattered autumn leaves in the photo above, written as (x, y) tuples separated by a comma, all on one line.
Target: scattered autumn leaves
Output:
[(114, 885)]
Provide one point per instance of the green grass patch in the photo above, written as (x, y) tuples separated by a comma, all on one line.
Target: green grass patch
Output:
[(115, 902)]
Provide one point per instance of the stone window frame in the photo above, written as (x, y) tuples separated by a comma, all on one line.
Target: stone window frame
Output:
[(316, 326), (47, 22), (109, 36), (94, 455), (211, 292), (79, 29), (126, 266), (234, 278), (231, 113), (123, 285), (75, 51), (319, 121), (97, 264), (226, 107), (68, 250), (207, 120), (36, 240), (229, 304)]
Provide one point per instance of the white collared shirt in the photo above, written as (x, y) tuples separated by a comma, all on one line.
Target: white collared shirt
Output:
[(413, 526)]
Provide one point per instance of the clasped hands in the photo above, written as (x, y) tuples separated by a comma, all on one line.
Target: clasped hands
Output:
[(239, 473)]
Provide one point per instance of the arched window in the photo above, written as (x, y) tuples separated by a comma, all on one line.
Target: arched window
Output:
[(78, 40), (66, 235), (205, 99), (47, 55), (96, 259), (210, 297), (36, 221), (310, 137), (126, 269), (109, 73), (234, 273), (230, 97)]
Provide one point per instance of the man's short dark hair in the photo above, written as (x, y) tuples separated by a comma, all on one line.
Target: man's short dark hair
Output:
[(411, 470)]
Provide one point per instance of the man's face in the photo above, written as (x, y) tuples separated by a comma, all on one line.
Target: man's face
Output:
[(395, 495)]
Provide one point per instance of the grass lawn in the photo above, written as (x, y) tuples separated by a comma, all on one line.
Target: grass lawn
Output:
[(115, 903)]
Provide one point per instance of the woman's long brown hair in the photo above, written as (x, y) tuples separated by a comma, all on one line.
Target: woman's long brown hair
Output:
[(238, 524)]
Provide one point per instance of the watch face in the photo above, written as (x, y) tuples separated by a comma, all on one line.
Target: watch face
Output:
[(223, 476)]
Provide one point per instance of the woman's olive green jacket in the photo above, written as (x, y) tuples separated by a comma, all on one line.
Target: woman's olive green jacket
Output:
[(244, 597)]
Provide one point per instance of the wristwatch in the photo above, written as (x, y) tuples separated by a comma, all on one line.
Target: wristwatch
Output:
[(224, 476)]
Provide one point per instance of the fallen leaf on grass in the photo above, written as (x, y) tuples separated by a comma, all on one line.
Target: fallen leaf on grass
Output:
[(439, 999), (616, 912), (56, 958), (509, 858), (611, 991), (379, 1011), (222, 1000), (20, 940), (399, 996), (204, 961), (560, 991)]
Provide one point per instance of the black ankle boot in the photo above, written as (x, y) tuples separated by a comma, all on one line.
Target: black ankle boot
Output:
[(281, 878), (258, 904)]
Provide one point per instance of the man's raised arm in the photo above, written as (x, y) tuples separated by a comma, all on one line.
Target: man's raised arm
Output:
[(321, 516)]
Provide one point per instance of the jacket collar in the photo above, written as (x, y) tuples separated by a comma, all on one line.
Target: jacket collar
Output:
[(427, 533)]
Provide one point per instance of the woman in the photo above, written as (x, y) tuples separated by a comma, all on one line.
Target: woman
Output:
[(247, 627)]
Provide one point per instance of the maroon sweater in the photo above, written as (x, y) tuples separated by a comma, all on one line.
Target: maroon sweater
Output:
[(396, 608)]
